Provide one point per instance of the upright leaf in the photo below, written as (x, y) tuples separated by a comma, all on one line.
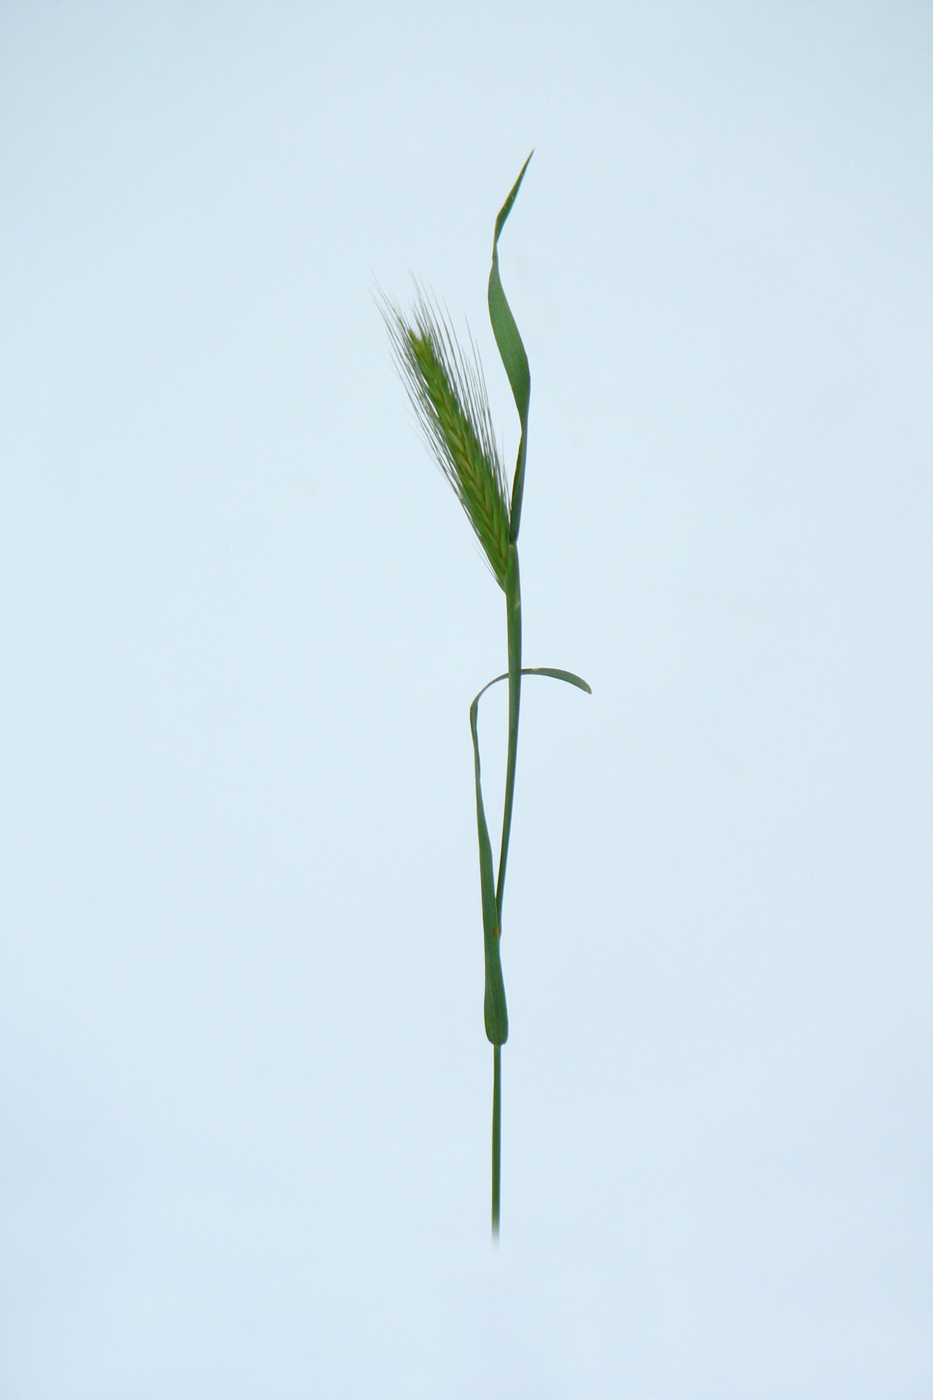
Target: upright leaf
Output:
[(513, 355)]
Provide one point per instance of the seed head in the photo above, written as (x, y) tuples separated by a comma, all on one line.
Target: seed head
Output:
[(449, 398)]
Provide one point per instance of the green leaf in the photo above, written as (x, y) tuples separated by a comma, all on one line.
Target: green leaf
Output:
[(551, 671), (495, 1013), (513, 355)]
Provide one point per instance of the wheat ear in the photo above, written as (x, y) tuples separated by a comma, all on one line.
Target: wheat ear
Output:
[(448, 394)]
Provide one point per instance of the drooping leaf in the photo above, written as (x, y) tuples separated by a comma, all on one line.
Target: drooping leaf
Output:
[(495, 1013), (551, 671)]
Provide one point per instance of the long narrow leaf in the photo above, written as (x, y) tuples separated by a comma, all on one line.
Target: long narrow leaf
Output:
[(551, 671), (495, 1012), (513, 355)]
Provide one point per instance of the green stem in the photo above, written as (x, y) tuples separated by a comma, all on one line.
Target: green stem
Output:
[(496, 1135), (513, 604), (513, 607)]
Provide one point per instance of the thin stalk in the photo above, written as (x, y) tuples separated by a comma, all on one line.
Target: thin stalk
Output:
[(496, 1135), (513, 606)]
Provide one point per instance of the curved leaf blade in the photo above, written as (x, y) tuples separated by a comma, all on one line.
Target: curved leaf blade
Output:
[(495, 1011), (513, 355), (554, 672)]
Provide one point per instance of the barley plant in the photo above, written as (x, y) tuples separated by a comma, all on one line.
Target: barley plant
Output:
[(447, 391)]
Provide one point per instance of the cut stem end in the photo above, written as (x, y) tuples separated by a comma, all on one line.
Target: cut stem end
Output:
[(496, 1137)]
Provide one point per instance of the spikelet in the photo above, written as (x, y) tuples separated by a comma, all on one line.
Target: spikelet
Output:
[(449, 397)]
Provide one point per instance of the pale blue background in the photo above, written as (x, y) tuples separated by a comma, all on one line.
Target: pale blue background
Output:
[(245, 1084)]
